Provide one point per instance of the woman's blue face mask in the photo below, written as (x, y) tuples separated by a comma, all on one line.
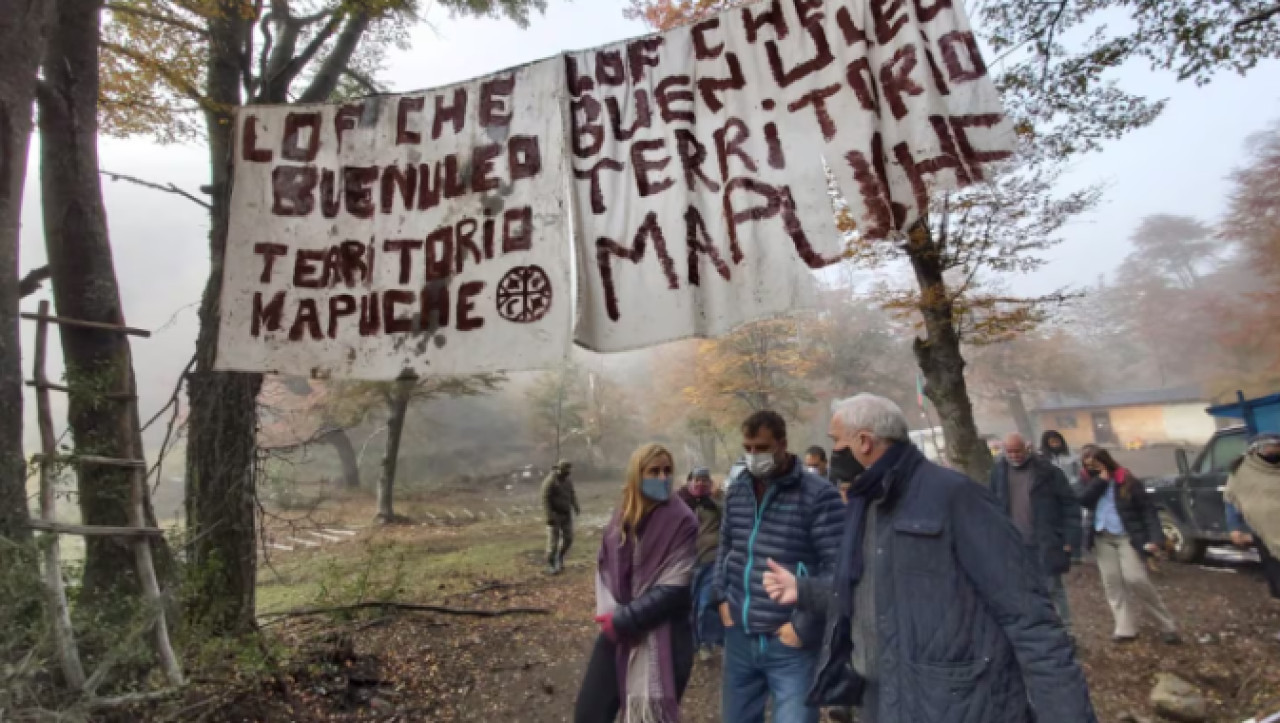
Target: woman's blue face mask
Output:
[(657, 489)]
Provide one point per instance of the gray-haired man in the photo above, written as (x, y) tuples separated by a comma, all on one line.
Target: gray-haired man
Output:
[(936, 611)]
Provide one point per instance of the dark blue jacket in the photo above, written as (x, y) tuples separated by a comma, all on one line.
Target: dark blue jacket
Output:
[(965, 630), (798, 525), (1055, 511)]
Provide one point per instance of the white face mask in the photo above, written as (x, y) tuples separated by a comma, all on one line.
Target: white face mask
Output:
[(811, 470), (761, 465)]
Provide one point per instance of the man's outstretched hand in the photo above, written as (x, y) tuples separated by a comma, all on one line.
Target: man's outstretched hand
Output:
[(781, 584)]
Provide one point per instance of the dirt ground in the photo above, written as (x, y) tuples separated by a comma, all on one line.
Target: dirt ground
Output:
[(428, 666)]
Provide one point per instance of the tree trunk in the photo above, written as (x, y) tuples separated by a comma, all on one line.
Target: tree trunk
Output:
[(22, 27), (84, 287), (398, 406), (1018, 410), (707, 443), (938, 354), (220, 494), (341, 443)]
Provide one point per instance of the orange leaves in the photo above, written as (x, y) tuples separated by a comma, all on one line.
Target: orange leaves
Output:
[(152, 70), (667, 14), (763, 365)]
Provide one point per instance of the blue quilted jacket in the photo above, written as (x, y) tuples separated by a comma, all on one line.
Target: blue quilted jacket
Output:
[(798, 523)]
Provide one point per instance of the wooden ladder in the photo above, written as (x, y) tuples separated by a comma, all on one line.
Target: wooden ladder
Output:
[(137, 531)]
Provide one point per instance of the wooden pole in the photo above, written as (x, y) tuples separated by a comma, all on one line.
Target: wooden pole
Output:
[(43, 317), (95, 530), (142, 552), (63, 634), (559, 412), (150, 586)]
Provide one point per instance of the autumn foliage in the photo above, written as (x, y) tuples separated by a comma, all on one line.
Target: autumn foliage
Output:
[(1251, 327)]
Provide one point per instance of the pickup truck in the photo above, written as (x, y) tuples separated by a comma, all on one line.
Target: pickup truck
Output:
[(1192, 509)]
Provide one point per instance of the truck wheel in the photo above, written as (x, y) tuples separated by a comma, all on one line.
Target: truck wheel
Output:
[(1186, 548)]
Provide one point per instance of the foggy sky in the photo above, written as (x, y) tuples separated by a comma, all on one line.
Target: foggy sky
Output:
[(1178, 165)]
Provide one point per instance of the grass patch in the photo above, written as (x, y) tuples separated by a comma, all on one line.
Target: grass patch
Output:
[(409, 563)]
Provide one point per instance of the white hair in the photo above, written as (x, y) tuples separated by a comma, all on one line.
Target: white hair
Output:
[(879, 416)]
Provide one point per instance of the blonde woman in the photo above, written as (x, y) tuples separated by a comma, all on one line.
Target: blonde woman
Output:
[(643, 656)]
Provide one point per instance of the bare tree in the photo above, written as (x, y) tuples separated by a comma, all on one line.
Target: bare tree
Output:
[(356, 401)]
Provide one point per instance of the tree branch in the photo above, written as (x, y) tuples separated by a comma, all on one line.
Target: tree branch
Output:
[(391, 605), (133, 698), (295, 65), (170, 188), (248, 83), (1047, 51), (364, 81), (30, 283), (281, 51), (268, 40), (317, 17), (339, 59), (173, 421), (1259, 17), (158, 17), (177, 81)]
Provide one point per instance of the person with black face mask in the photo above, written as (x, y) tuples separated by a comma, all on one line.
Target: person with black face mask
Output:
[(845, 469), (1253, 505)]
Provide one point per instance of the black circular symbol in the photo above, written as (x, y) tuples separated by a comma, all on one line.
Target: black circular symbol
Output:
[(524, 295)]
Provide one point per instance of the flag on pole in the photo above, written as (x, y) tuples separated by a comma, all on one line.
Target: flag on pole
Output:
[(920, 390)]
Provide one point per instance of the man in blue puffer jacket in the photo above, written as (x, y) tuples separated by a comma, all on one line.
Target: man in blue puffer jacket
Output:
[(775, 511)]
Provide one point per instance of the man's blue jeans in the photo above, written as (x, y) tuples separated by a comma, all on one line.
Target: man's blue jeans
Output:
[(757, 667)]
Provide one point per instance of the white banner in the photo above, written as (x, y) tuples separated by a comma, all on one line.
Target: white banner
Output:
[(701, 156), (425, 231), (430, 231)]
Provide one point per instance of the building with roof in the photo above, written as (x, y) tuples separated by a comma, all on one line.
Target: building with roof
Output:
[(1152, 416)]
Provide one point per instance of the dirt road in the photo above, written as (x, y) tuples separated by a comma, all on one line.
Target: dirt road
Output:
[(429, 667), (420, 666)]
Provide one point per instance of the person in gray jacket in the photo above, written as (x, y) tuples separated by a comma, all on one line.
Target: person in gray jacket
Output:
[(935, 611)]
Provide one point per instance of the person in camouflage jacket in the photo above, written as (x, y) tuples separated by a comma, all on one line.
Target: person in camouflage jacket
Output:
[(560, 503)]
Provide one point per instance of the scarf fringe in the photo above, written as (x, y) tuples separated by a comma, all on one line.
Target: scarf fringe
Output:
[(642, 709)]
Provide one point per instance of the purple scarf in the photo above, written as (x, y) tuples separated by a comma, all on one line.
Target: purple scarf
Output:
[(663, 554)]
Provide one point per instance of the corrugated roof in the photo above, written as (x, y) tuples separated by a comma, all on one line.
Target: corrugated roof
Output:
[(1122, 398)]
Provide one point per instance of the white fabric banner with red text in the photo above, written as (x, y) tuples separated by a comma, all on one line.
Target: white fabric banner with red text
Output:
[(694, 175), (705, 157), (425, 231)]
